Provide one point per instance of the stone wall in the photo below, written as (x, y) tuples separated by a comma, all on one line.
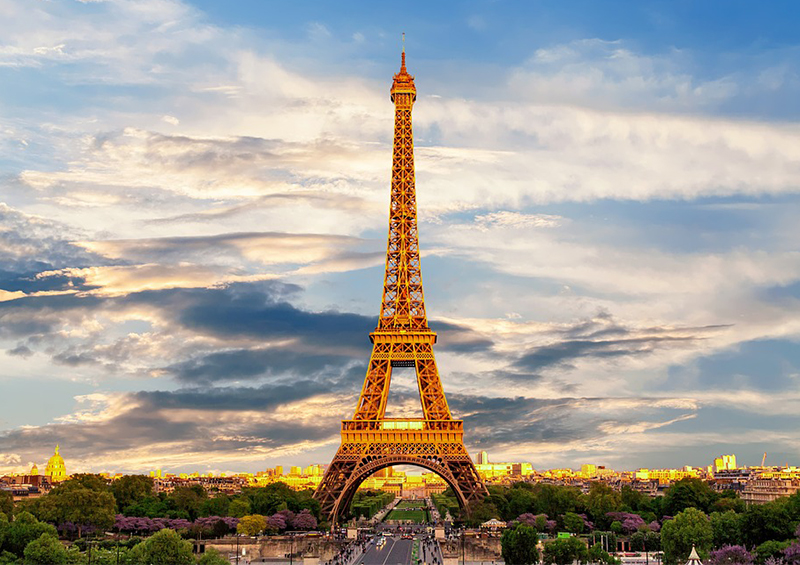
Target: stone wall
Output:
[(277, 547), (475, 549)]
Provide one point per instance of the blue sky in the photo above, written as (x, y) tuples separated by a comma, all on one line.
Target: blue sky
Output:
[(193, 202)]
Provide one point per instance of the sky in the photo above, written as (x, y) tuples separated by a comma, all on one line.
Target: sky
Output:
[(193, 216)]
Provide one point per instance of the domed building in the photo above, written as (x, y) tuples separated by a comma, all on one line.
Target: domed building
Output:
[(56, 470), (34, 470)]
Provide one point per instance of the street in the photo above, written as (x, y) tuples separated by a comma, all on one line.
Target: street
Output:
[(394, 552)]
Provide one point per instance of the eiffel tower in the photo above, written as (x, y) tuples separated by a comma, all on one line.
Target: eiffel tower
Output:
[(370, 441)]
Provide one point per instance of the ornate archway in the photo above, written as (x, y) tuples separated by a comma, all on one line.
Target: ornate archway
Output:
[(373, 465)]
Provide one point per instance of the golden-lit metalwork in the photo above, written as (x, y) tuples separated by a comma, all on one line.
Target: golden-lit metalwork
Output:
[(370, 441)]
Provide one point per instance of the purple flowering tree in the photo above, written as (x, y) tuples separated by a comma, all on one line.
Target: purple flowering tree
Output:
[(791, 555), (276, 523), (304, 521), (731, 555), (654, 526)]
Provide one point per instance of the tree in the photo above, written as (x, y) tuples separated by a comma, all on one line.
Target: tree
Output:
[(163, 548), (688, 493), (217, 506), (252, 525), (212, 557), (188, 500), (765, 522), (45, 550), (6, 503), (304, 521), (597, 554), (480, 511), (520, 501), (731, 555), (131, 489), (565, 551), (239, 507), (82, 505), (518, 545), (24, 529), (635, 501), (727, 528), (574, 523), (87, 480), (771, 549), (690, 527), (601, 500), (646, 540)]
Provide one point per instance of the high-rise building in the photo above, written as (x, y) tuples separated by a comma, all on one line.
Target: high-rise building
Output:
[(482, 458), (725, 463)]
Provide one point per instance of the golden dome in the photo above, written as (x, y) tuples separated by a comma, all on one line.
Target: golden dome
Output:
[(56, 469), (34, 470)]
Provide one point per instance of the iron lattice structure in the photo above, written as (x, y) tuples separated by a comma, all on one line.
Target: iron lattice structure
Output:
[(370, 441)]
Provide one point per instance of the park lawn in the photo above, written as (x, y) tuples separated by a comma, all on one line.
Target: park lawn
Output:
[(411, 504), (418, 515)]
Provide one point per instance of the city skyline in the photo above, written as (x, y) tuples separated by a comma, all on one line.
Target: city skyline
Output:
[(194, 218)]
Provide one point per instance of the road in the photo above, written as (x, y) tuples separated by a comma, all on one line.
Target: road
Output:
[(394, 552)]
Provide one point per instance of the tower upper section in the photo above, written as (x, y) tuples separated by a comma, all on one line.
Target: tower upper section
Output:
[(403, 84), (403, 305)]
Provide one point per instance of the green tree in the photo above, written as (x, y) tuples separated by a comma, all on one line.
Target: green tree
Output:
[(6, 503), (574, 523), (520, 501), (565, 551), (727, 528), (765, 522), (601, 500), (45, 550), (216, 506), (251, 525), (131, 489), (645, 540), (24, 529), (688, 493), (163, 548), (634, 501), (8, 558), (518, 545), (728, 500), (74, 501), (239, 507), (597, 554), (690, 527), (212, 557), (771, 548), (188, 500), (480, 511), (616, 527), (87, 480)]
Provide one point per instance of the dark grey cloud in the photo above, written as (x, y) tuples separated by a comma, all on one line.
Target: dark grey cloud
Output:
[(203, 426), (30, 245), (559, 354), (249, 364)]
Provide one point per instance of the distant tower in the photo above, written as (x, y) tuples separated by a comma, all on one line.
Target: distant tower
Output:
[(56, 470)]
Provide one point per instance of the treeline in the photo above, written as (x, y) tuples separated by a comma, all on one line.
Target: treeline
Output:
[(718, 523), (86, 506)]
